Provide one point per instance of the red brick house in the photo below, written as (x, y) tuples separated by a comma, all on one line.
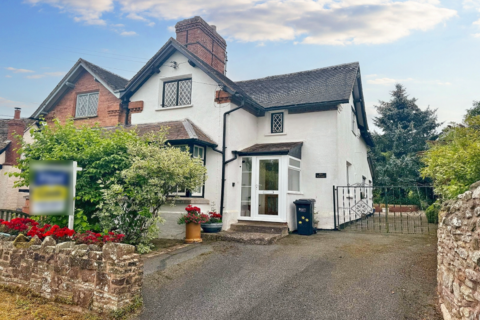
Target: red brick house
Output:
[(10, 198), (89, 94)]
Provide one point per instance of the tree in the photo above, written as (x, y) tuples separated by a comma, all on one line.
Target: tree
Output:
[(132, 202), (405, 130), (474, 111), (101, 153), (453, 162)]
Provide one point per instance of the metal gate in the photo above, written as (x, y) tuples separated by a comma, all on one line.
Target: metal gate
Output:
[(392, 209)]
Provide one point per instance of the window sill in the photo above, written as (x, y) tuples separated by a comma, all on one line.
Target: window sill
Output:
[(172, 108), (294, 192), (275, 134), (191, 201), (82, 118)]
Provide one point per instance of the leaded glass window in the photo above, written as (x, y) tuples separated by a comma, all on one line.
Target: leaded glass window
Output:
[(177, 93), (87, 105), (277, 122)]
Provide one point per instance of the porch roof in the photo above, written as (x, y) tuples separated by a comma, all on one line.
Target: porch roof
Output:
[(293, 149)]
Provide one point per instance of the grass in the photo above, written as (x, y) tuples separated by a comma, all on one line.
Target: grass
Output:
[(17, 303)]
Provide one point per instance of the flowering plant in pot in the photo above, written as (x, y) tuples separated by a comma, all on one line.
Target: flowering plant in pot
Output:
[(214, 223), (193, 219)]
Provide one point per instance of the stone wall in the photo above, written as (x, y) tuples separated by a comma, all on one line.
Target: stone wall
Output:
[(98, 279), (458, 273)]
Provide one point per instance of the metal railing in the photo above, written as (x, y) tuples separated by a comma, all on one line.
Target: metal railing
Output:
[(7, 214), (389, 209)]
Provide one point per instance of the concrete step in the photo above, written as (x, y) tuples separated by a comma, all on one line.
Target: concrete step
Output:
[(260, 227), (244, 237)]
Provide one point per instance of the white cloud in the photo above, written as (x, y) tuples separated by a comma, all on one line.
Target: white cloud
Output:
[(128, 33), (370, 76), (8, 76), (55, 74), (88, 11), (382, 81), (476, 35), (15, 70), (13, 104), (327, 22), (171, 29), (46, 74)]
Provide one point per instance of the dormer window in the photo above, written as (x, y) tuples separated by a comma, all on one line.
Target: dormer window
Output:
[(177, 93), (87, 105)]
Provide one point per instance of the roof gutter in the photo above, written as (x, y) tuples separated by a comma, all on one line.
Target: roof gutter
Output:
[(224, 150), (301, 105)]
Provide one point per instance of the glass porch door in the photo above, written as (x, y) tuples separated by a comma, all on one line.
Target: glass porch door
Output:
[(263, 189), (267, 187)]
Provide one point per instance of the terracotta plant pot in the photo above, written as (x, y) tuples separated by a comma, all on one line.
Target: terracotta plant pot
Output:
[(193, 233)]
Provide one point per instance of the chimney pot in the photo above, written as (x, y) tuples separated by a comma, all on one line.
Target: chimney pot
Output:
[(17, 113)]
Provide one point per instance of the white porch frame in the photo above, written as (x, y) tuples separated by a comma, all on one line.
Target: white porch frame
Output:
[(282, 190)]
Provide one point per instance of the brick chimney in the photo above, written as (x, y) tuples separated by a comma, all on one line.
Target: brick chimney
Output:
[(203, 40), (16, 126)]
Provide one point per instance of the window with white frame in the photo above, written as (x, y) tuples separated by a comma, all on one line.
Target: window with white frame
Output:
[(276, 122), (198, 152), (177, 93), (294, 175), (87, 105), (354, 122)]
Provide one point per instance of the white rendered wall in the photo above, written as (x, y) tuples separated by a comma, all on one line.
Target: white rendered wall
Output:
[(351, 148), (208, 116), (318, 132)]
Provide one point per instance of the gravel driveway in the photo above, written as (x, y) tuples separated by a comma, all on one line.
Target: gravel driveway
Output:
[(331, 275)]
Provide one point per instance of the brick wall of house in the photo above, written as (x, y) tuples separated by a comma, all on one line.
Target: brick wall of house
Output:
[(109, 112), (203, 40), (16, 127)]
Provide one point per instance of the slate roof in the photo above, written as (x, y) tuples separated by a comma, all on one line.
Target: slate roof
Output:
[(113, 80), (283, 147), (323, 85), (161, 54), (177, 130)]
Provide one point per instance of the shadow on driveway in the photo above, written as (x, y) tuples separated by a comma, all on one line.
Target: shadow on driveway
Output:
[(330, 275)]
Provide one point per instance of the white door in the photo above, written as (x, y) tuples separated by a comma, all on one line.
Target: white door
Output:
[(265, 188)]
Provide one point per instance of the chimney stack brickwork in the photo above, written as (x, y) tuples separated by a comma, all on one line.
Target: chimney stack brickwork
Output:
[(16, 126), (203, 40)]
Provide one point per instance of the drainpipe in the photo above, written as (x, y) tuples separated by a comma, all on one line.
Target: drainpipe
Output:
[(224, 148)]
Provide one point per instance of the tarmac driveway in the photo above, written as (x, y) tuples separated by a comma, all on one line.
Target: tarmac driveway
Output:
[(331, 275)]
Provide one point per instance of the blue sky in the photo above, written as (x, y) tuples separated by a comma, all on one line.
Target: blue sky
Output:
[(430, 46)]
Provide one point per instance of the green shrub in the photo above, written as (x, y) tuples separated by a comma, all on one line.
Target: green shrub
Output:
[(432, 212)]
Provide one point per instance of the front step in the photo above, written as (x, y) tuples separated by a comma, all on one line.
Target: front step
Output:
[(243, 237), (260, 227)]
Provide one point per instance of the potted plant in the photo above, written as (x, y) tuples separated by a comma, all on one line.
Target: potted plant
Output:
[(193, 219), (214, 223)]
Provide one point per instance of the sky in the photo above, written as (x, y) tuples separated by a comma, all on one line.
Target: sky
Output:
[(430, 46)]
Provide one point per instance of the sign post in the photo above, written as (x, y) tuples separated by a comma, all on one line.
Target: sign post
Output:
[(52, 188)]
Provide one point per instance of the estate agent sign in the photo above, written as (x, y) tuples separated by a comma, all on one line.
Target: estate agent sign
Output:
[(52, 188)]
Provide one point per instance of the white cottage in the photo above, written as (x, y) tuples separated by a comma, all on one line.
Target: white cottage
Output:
[(265, 142)]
